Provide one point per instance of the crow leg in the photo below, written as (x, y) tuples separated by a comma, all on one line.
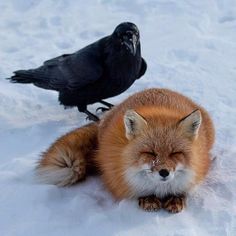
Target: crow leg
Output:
[(109, 105), (90, 116)]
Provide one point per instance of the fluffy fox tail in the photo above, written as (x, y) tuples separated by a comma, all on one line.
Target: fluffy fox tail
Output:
[(70, 158)]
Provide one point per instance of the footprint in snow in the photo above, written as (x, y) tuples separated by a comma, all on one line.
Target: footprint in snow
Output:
[(184, 55)]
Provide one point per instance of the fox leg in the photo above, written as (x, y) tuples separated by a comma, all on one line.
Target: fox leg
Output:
[(70, 158), (150, 203), (174, 204)]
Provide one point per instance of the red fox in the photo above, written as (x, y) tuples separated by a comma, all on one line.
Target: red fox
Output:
[(153, 147)]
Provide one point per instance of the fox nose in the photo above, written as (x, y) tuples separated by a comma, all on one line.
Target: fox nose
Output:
[(163, 173)]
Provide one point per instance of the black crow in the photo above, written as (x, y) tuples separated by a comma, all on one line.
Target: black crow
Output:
[(100, 70)]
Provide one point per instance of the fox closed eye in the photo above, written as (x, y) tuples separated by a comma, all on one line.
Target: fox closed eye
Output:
[(150, 153), (176, 153)]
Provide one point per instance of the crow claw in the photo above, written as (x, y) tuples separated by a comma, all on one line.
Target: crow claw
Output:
[(109, 105), (102, 109), (91, 116)]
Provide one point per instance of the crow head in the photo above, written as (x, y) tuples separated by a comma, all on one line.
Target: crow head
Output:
[(126, 35)]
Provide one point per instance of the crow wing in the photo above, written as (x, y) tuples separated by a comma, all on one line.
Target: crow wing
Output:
[(68, 71), (143, 68)]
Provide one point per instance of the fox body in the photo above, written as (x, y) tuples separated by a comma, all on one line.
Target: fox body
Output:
[(154, 146)]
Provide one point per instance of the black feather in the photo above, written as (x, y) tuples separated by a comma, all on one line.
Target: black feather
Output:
[(100, 70)]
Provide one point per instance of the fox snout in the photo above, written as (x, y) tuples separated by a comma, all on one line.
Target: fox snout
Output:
[(163, 171), (164, 174)]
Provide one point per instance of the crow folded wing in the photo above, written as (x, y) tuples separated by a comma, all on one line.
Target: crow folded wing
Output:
[(70, 71), (143, 68)]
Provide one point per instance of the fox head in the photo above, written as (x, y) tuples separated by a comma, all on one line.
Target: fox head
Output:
[(159, 151)]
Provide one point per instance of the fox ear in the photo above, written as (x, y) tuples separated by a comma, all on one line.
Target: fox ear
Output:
[(190, 124), (134, 123)]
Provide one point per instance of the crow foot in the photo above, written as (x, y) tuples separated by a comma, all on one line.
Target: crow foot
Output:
[(91, 116), (107, 104), (102, 109)]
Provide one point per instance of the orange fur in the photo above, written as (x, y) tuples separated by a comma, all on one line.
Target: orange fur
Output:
[(160, 113), (162, 109), (70, 157)]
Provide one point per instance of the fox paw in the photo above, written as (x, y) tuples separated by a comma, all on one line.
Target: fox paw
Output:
[(174, 204), (150, 203)]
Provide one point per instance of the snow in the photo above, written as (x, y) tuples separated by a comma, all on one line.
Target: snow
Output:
[(190, 47)]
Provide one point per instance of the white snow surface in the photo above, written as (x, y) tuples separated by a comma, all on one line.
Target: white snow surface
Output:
[(189, 46)]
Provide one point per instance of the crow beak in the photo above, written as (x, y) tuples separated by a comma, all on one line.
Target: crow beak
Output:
[(131, 44)]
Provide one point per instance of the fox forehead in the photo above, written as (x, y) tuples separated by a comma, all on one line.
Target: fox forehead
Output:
[(163, 140)]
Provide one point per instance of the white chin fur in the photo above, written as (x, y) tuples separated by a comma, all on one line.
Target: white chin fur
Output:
[(143, 182)]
